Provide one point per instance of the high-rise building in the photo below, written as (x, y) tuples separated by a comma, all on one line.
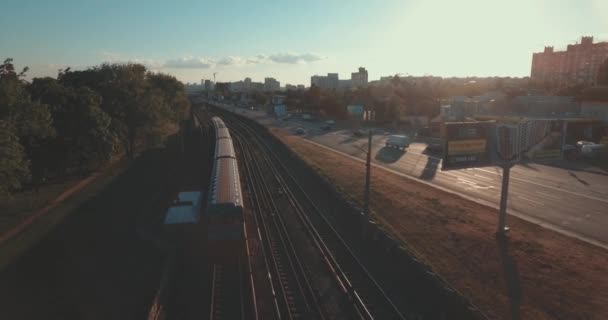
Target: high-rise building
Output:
[(578, 65), (208, 85), (330, 81), (271, 84), (247, 84), (359, 79)]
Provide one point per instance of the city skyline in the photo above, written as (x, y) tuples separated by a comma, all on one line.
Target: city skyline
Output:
[(194, 39)]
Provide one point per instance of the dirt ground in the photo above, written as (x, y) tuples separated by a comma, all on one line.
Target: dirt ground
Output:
[(535, 274)]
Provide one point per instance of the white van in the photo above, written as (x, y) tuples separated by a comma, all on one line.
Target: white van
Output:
[(398, 141)]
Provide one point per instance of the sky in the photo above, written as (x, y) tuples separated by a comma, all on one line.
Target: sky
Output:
[(293, 40)]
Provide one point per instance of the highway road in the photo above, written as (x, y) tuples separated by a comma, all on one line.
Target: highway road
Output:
[(573, 202)]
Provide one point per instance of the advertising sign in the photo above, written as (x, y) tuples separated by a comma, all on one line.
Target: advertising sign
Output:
[(355, 111), (466, 145), (279, 111), (545, 138)]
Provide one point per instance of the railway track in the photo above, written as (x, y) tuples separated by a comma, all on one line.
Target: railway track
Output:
[(227, 292), (368, 298), (294, 296)]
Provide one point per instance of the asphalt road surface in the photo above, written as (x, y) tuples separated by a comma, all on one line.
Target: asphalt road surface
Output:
[(574, 202)]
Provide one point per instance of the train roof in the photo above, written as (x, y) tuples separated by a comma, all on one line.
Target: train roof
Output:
[(225, 185), (218, 122), (222, 133), (224, 149), (185, 209)]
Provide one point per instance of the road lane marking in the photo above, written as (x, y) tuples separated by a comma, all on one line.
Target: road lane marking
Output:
[(542, 204), (550, 187), (548, 195)]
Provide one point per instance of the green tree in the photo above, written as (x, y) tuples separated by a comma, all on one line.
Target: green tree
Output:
[(124, 89), (14, 167), (29, 121)]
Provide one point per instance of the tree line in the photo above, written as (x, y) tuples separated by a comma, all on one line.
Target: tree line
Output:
[(80, 120)]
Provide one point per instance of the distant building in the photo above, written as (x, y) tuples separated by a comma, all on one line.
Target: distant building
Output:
[(333, 81), (291, 87), (222, 87), (594, 104), (578, 65), (208, 85), (271, 84), (301, 87), (345, 84), (330, 81), (359, 79), (247, 84)]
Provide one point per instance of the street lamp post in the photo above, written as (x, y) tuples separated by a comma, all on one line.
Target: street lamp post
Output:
[(368, 170)]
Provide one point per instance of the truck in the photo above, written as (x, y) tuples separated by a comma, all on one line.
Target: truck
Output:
[(398, 141)]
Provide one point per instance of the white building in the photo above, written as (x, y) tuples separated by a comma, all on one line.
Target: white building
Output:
[(330, 81), (271, 84), (359, 79)]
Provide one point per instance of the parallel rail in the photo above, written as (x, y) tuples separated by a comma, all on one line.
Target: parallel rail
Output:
[(294, 296), (369, 299), (227, 292)]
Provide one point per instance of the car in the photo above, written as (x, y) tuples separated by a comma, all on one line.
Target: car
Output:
[(398, 141), (359, 132), (326, 127), (330, 122), (581, 144), (300, 131), (435, 147), (591, 150)]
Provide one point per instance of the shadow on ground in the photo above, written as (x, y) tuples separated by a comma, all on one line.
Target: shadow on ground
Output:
[(512, 278), (430, 169), (94, 264), (389, 155)]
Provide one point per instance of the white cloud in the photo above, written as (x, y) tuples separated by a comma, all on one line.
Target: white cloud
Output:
[(205, 63), (293, 58), (190, 63)]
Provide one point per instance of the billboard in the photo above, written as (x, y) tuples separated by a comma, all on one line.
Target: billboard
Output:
[(544, 139), (355, 111), (279, 111), (466, 145)]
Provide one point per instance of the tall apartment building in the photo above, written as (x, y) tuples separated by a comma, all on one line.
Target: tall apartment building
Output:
[(578, 65), (271, 84), (330, 81), (359, 79)]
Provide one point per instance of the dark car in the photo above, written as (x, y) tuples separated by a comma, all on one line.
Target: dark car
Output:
[(326, 127), (435, 147), (359, 133)]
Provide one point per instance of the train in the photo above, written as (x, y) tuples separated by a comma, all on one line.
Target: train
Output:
[(224, 214)]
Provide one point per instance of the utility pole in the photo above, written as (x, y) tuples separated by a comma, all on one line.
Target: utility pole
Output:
[(368, 169), (504, 194)]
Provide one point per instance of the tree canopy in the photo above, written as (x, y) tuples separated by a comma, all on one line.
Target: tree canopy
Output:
[(80, 120)]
